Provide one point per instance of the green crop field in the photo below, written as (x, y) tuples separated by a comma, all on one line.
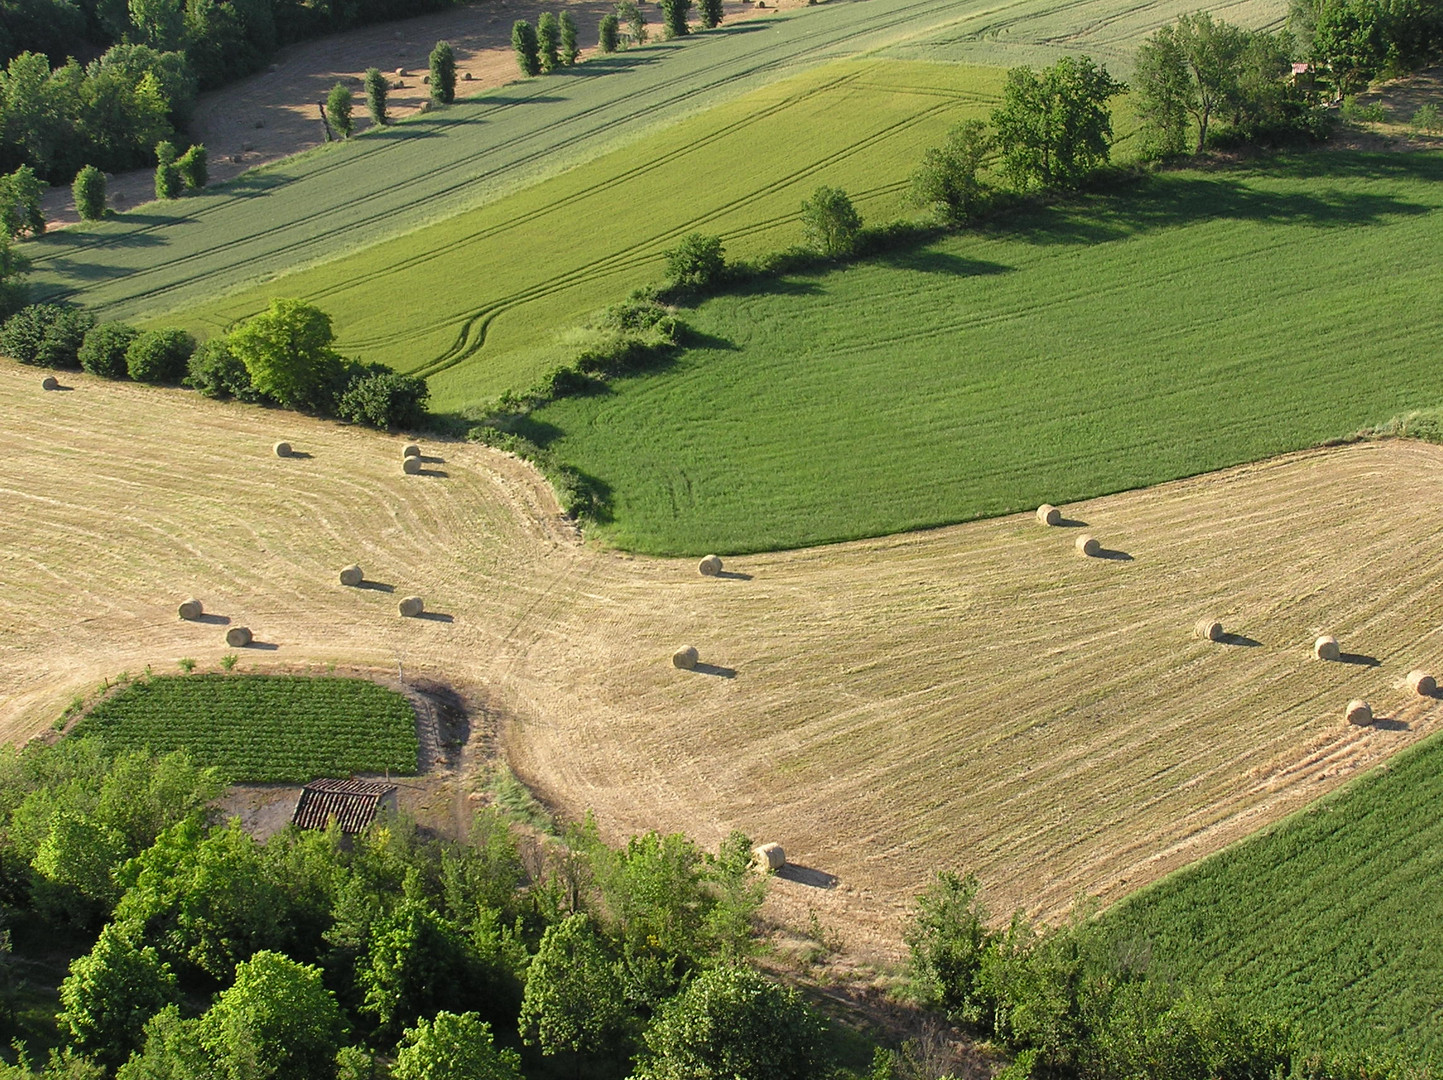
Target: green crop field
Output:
[(513, 275), (264, 728), (1329, 919), (1201, 320)]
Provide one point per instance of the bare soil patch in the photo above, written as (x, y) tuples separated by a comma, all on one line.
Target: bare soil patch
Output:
[(978, 697)]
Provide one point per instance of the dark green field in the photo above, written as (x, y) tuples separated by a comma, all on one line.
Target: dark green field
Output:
[(264, 728), (1197, 321), (1331, 919)]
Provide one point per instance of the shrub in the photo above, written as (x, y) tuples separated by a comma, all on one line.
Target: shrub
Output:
[(217, 372), (49, 335), (159, 356), (548, 41), (376, 95), (194, 168), (338, 111), (167, 175), (443, 74), (384, 399), (89, 192), (630, 13), (523, 40), (947, 176), (20, 211), (1370, 113), (103, 352), (609, 32), (698, 261), (1427, 118), (830, 222)]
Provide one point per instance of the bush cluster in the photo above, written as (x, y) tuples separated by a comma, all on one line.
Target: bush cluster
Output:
[(48, 335)]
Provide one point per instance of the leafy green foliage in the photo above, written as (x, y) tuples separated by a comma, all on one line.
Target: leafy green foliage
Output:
[(338, 110), (830, 223), (49, 335), (217, 372), (418, 962), (573, 996), (265, 728), (159, 356), (194, 168), (947, 178), (570, 39), (526, 47), (711, 13), (698, 261), (287, 351), (20, 209), (548, 42), (376, 90), (168, 182), (1054, 126), (110, 994), (609, 32), (384, 399), (14, 292), (946, 941), (452, 1047), (631, 15), (443, 73), (673, 17), (89, 193), (103, 351)]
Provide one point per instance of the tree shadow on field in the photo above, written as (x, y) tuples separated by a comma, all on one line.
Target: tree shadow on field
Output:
[(805, 875), (696, 339), (503, 99), (932, 261), (781, 285)]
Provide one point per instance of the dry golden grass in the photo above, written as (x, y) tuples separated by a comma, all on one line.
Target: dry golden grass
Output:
[(976, 697)]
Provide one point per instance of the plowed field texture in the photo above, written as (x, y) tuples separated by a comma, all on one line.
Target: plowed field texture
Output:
[(979, 697), (264, 728), (1330, 919), (1200, 321)]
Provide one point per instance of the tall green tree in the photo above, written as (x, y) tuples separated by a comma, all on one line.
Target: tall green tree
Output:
[(20, 209), (160, 23), (608, 32), (1054, 126), (443, 73), (1211, 52), (673, 17), (417, 963), (947, 940), (110, 994), (89, 193), (194, 168), (631, 15), (830, 223), (947, 177), (287, 351), (523, 42), (14, 292), (711, 13), (1163, 91), (548, 41), (573, 996), (168, 182), (376, 88), (452, 1047), (570, 39), (338, 110)]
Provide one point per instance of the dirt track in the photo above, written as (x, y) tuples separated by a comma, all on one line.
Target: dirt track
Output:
[(978, 697)]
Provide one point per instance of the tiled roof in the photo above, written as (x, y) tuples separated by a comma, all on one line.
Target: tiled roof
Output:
[(352, 803)]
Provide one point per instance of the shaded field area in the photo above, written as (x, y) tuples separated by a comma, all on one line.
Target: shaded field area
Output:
[(1202, 320), (480, 302), (978, 697), (262, 728), (1329, 919)]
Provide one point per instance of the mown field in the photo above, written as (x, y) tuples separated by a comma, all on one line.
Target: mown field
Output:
[(1206, 319), (514, 275), (1330, 918), (263, 728)]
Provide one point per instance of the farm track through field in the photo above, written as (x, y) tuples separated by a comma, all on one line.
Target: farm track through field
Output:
[(977, 696)]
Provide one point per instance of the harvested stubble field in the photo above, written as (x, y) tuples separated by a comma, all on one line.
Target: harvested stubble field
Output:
[(264, 729), (1202, 320), (978, 697)]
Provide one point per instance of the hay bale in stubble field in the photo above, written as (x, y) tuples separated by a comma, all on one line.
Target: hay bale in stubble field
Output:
[(1049, 514), (1087, 545), (352, 575), (1359, 712), (191, 608), (410, 450), (411, 606), (50, 382), (1326, 648), (238, 637), (685, 657), (411, 465), (1209, 630), (710, 566), (1422, 684), (769, 856), (283, 449)]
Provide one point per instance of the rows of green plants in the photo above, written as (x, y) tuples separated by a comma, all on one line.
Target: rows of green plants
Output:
[(263, 728)]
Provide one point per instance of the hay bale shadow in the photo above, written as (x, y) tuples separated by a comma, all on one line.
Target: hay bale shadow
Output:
[(1361, 659), (433, 460), (1115, 556), (301, 454), (432, 472), (60, 388), (733, 574), (436, 616), (805, 875), (1383, 723), (261, 646), (1239, 639), (1071, 523), (713, 669), (213, 620), (376, 586)]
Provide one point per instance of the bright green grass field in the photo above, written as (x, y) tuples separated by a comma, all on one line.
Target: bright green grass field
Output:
[(1331, 919), (264, 728), (479, 302), (1204, 320)]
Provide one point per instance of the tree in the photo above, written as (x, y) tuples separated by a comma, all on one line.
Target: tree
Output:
[(277, 1020), (110, 994), (167, 177), (1350, 38), (417, 963), (103, 352), (14, 292), (1211, 50), (570, 40), (523, 41), (49, 335), (194, 167), (287, 351), (20, 210), (453, 1047), (572, 1001), (443, 74), (673, 17), (947, 940), (711, 13), (214, 370), (1163, 92), (696, 262), (732, 1024), (376, 88), (608, 32), (159, 356), (947, 177), (548, 41), (385, 400), (1054, 126), (338, 110), (830, 222), (160, 22), (171, 1051), (630, 13), (89, 193)]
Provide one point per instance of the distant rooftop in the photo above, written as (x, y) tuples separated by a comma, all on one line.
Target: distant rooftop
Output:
[(352, 803)]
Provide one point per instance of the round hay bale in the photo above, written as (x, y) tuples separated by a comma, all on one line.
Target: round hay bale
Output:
[(1210, 630), (410, 450), (685, 657), (1326, 648), (191, 609), (50, 382), (465, 76), (400, 73), (411, 465), (238, 637), (1359, 712), (352, 575), (1049, 514), (283, 449), (710, 566), (769, 856), (1087, 545), (411, 606), (1422, 684)]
